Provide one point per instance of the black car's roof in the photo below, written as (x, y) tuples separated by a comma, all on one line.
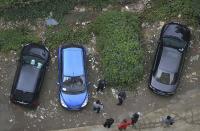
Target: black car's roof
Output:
[(28, 77), (170, 60), (176, 30)]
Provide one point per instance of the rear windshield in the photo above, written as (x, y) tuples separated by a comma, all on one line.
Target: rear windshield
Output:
[(165, 77)]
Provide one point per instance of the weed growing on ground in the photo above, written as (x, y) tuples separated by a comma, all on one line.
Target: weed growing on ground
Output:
[(187, 10), (13, 39), (65, 34), (118, 44)]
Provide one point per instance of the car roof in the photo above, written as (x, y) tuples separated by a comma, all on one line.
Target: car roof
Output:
[(73, 64), (28, 77), (170, 60)]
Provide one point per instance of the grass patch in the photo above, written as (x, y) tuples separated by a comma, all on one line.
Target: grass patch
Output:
[(13, 10), (65, 34), (35, 10), (169, 9), (99, 4), (118, 44), (13, 39)]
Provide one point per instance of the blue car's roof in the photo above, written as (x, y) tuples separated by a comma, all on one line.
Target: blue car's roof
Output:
[(73, 64)]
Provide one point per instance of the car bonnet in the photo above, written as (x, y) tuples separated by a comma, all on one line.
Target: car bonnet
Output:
[(73, 100)]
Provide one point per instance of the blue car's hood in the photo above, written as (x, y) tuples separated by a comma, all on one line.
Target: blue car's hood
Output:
[(73, 100)]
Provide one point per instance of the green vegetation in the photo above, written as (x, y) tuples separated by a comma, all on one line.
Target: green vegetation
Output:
[(13, 10), (99, 4), (118, 44), (117, 32), (168, 9), (12, 39), (33, 10), (65, 34)]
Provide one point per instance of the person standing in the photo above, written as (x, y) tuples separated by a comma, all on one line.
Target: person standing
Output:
[(121, 97), (168, 121), (97, 106), (108, 122), (135, 117), (123, 125), (101, 85)]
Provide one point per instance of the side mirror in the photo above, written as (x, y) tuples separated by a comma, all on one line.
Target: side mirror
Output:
[(89, 95), (158, 41), (89, 84), (181, 50)]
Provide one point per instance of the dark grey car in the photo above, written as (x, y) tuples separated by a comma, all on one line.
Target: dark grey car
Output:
[(169, 58)]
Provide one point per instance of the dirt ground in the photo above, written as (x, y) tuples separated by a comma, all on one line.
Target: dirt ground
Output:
[(50, 115)]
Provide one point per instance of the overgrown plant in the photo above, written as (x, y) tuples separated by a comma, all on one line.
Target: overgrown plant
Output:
[(12, 39), (118, 43), (65, 34), (188, 10), (16, 10), (32, 9)]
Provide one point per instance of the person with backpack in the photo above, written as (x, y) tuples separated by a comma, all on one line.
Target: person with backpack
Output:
[(101, 85), (121, 97), (168, 121), (97, 106), (135, 117), (108, 122)]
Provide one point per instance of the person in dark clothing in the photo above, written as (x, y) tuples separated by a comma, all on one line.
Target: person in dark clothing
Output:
[(168, 121), (108, 122), (97, 106), (121, 97), (101, 85), (135, 118)]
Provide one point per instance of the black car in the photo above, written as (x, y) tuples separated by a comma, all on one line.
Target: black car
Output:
[(169, 58), (29, 76)]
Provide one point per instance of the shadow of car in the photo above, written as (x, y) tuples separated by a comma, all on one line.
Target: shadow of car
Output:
[(169, 58), (73, 89), (29, 75)]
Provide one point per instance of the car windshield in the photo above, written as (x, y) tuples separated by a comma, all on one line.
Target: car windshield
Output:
[(165, 77), (174, 42), (73, 84), (34, 61)]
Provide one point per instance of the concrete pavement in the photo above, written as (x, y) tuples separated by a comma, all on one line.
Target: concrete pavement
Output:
[(186, 119)]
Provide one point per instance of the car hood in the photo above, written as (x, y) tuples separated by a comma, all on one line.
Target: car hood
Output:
[(73, 100), (162, 87)]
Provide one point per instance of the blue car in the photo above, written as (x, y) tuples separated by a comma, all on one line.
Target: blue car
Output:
[(73, 90)]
